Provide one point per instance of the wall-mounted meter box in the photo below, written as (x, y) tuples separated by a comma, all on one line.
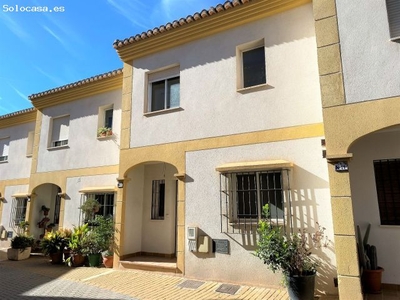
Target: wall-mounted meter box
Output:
[(192, 233)]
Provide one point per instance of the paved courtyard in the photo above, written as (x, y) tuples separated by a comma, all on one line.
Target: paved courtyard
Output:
[(35, 278)]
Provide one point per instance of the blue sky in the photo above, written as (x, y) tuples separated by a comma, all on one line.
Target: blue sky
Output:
[(43, 50)]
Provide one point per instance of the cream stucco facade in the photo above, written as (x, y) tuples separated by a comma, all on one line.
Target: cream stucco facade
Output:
[(330, 75)]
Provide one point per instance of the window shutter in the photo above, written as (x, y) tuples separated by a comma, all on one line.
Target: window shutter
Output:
[(163, 74), (60, 129), (393, 10)]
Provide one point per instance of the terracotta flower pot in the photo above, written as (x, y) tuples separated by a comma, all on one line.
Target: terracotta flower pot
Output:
[(372, 281), (108, 261)]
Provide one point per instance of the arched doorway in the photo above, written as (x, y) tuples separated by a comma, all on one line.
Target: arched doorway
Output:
[(150, 211), (375, 190), (45, 207)]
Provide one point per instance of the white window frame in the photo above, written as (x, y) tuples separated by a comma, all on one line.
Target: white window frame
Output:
[(63, 141), (4, 149), (160, 75), (21, 206), (240, 64), (393, 12), (102, 123)]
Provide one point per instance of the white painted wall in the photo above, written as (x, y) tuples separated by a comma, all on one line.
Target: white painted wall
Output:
[(73, 199), (371, 62), (365, 202), (84, 149), (19, 164), (311, 202), (210, 103)]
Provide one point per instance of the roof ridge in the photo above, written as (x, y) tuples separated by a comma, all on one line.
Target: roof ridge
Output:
[(179, 23), (78, 83)]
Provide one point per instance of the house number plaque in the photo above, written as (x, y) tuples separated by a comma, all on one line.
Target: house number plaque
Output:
[(221, 246), (341, 166)]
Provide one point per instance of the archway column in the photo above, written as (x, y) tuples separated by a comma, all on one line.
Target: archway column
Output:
[(343, 224)]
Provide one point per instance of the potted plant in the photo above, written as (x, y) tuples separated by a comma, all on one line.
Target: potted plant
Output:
[(104, 131), (371, 277), (53, 244), (290, 254), (75, 245), (104, 226), (21, 246), (89, 208), (99, 239)]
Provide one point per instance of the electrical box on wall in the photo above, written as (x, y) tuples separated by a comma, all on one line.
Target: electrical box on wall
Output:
[(204, 244), (192, 233)]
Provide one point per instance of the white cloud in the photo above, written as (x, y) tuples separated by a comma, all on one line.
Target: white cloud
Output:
[(54, 79), (14, 27)]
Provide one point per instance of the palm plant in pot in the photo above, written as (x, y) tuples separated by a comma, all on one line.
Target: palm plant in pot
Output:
[(75, 246), (289, 254)]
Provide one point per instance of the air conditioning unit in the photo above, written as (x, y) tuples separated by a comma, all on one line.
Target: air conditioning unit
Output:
[(192, 233)]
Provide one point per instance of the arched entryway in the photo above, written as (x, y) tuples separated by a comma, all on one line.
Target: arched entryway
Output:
[(150, 226), (375, 190), (44, 209)]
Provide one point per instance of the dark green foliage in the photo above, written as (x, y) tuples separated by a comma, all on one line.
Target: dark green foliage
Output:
[(367, 253), (287, 253), (22, 242)]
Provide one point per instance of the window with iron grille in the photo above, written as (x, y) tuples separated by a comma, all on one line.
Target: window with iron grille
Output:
[(244, 194), (387, 178), (106, 201), (20, 210), (57, 206), (158, 200)]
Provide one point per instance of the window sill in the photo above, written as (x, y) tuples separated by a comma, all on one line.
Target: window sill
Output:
[(3, 161), (59, 147), (106, 137), (163, 111), (253, 88)]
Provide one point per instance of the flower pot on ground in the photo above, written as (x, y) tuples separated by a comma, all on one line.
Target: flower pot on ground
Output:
[(92, 247), (371, 278), (290, 254), (108, 258), (77, 258), (53, 245), (21, 246), (94, 259)]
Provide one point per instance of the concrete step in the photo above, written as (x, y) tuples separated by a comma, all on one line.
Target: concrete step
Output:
[(149, 265)]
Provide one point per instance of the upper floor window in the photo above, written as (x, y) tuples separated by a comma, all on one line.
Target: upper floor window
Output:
[(387, 179), (105, 121), (163, 89), (4, 144), (251, 69), (59, 131), (393, 11)]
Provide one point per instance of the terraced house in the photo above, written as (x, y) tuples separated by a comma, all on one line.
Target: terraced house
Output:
[(213, 116)]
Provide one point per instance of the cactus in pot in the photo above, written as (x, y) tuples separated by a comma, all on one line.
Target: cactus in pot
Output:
[(371, 277)]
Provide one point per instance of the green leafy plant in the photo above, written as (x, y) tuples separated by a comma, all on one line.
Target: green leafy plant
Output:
[(89, 208), (22, 242), (100, 237), (53, 242), (286, 252), (75, 241), (104, 131)]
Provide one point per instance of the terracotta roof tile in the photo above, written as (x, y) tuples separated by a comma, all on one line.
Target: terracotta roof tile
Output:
[(178, 23), (77, 83), (19, 112)]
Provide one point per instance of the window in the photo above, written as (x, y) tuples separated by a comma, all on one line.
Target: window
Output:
[(4, 144), (108, 118), (105, 121), (19, 210), (106, 201), (251, 64), (387, 179), (29, 147), (158, 200), (393, 11), (60, 131), (244, 194), (164, 89)]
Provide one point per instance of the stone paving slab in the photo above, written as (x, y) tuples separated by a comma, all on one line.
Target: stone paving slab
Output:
[(39, 277)]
